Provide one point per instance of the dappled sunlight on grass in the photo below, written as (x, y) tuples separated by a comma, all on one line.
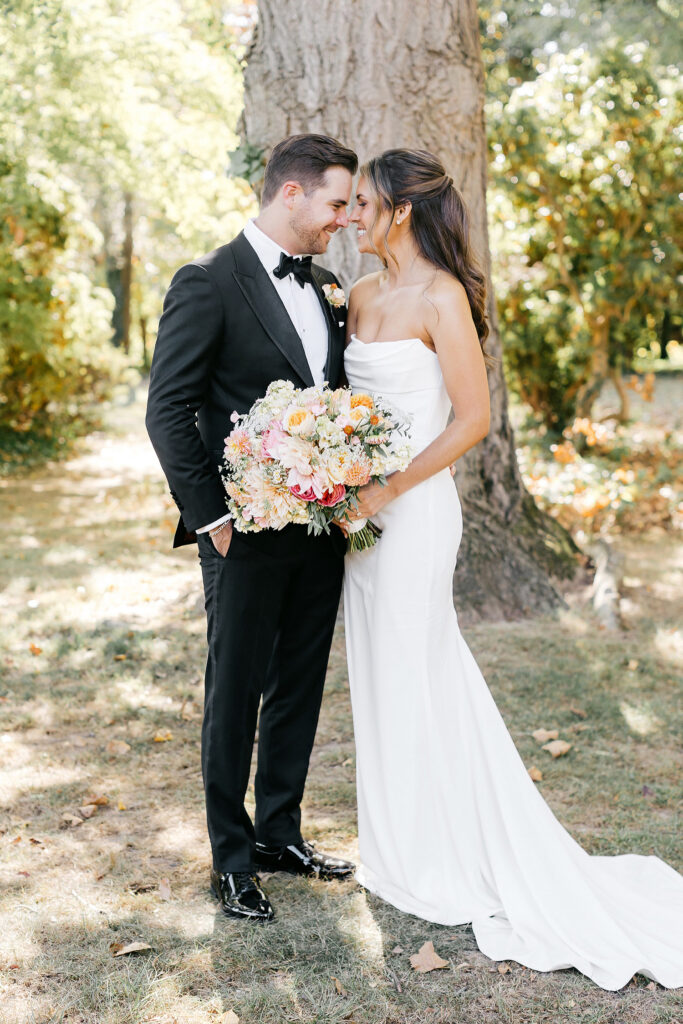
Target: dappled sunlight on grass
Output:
[(359, 925), (105, 652), (640, 718), (669, 645), (573, 622), (66, 554), (29, 770)]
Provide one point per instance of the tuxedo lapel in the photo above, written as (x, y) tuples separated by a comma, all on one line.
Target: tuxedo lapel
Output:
[(267, 306)]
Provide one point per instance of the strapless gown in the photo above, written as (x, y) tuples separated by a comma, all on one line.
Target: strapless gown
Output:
[(451, 827)]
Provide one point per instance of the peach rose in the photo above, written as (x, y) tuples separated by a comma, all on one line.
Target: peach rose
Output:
[(333, 497)]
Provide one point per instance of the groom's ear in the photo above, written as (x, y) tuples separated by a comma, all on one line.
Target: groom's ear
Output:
[(289, 192)]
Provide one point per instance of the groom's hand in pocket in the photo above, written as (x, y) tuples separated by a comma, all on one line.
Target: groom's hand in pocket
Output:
[(221, 539)]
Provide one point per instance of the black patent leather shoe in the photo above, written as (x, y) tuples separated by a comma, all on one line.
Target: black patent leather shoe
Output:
[(302, 859), (240, 895)]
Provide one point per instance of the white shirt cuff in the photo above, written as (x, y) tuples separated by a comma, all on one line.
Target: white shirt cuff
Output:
[(212, 526)]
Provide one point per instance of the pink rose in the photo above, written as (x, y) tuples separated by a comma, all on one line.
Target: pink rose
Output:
[(308, 495), (271, 438), (333, 497)]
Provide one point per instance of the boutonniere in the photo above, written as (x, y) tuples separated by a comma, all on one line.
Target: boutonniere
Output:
[(334, 295)]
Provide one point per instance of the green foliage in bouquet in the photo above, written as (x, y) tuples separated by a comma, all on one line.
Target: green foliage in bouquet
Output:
[(585, 221)]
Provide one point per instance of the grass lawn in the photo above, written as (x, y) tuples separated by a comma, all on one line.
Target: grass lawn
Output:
[(100, 696)]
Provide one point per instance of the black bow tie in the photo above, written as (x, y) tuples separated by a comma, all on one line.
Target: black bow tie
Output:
[(299, 266)]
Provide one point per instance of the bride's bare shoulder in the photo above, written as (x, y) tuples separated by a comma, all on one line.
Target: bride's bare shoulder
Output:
[(366, 286), (446, 290)]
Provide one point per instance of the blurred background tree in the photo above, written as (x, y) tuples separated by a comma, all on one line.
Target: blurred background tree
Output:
[(121, 157), (116, 124), (584, 114), (586, 219)]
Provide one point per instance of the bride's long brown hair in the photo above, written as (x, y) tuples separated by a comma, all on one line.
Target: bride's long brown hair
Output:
[(439, 219)]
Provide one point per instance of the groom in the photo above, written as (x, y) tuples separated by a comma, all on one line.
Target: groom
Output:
[(249, 313)]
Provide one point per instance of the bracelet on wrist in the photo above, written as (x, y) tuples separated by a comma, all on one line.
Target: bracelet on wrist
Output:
[(219, 529)]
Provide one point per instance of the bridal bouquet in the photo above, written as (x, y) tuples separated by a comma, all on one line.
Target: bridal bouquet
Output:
[(301, 456)]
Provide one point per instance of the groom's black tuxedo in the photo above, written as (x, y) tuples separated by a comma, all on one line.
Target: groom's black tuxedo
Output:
[(271, 602)]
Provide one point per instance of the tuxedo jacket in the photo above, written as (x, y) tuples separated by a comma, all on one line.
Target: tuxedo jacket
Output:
[(223, 337)]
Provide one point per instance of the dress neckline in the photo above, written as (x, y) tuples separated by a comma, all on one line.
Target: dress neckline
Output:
[(397, 341)]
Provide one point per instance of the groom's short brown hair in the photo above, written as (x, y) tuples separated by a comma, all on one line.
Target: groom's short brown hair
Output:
[(304, 158)]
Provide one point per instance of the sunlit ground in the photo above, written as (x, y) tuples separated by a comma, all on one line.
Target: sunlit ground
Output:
[(101, 694)]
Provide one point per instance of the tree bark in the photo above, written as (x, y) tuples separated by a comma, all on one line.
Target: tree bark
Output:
[(379, 74), (598, 373)]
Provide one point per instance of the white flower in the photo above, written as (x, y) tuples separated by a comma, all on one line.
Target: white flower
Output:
[(336, 462), (328, 433), (334, 295)]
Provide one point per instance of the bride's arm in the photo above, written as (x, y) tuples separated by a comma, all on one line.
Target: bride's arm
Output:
[(462, 363)]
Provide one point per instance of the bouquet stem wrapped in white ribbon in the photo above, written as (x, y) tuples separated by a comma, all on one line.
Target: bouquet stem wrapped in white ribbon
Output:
[(302, 456)]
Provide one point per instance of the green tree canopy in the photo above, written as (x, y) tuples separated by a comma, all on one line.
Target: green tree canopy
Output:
[(105, 109), (585, 220)]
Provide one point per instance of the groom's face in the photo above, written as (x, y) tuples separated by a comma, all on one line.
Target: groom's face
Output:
[(315, 217)]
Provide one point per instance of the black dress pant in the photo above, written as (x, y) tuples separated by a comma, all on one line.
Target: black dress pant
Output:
[(271, 606)]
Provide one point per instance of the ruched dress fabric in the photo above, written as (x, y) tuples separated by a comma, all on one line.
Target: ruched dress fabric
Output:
[(451, 827)]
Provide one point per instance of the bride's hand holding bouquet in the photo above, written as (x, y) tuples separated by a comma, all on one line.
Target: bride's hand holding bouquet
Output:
[(314, 456)]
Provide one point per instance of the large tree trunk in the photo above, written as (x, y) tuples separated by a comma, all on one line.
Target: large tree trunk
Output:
[(394, 73)]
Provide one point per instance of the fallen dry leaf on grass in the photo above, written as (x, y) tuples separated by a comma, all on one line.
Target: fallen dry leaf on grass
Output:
[(503, 968), (427, 959), (164, 889), (35, 650), (16, 840), (71, 821), (341, 991), (543, 735), (557, 748), (120, 657), (117, 747), (397, 949), (118, 948), (109, 867), (535, 773), (577, 711), (98, 801), (163, 736), (229, 1018), (87, 810)]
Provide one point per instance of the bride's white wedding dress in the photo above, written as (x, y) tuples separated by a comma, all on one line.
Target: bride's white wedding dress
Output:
[(451, 828)]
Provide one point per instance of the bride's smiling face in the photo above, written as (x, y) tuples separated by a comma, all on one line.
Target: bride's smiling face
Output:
[(371, 227)]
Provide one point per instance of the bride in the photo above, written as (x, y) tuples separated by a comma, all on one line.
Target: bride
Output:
[(451, 827)]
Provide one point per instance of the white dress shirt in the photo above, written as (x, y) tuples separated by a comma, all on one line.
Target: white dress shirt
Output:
[(303, 308)]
